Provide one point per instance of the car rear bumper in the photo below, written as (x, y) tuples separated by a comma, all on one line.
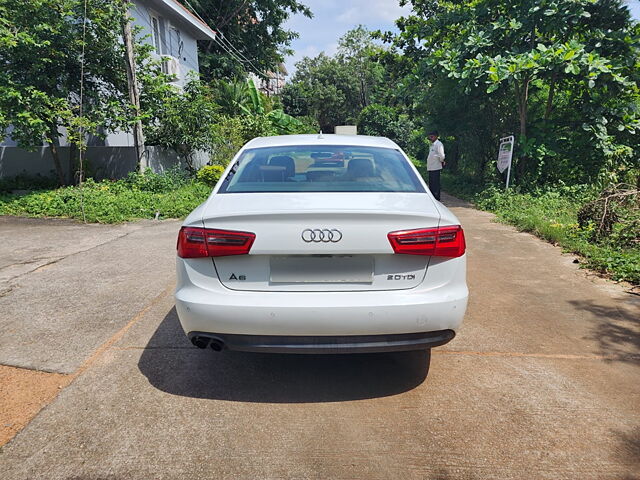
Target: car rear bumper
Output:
[(204, 305), (322, 344)]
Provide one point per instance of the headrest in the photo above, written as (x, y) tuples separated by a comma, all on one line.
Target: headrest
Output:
[(286, 162), (360, 167)]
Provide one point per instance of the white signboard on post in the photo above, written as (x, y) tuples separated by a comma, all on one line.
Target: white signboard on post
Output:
[(505, 154)]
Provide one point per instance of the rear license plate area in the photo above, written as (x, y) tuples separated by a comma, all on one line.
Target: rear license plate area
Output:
[(321, 269)]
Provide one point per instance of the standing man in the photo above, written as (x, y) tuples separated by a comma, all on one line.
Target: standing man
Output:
[(435, 162)]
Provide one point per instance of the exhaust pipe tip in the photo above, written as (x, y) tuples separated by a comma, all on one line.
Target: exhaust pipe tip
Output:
[(200, 342), (216, 345)]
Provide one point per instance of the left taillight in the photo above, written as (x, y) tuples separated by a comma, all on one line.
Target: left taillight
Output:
[(209, 242), (435, 242)]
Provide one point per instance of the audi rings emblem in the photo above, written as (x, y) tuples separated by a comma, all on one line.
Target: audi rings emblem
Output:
[(324, 235)]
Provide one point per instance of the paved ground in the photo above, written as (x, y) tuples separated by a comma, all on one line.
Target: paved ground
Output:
[(542, 382), (69, 287)]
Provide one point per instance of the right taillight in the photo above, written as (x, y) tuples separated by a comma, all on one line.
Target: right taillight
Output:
[(435, 242), (210, 242)]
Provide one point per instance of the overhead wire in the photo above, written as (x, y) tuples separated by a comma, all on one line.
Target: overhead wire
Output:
[(218, 38), (226, 49), (233, 47), (253, 70), (229, 45)]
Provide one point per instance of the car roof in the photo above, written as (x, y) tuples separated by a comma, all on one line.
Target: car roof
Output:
[(321, 139)]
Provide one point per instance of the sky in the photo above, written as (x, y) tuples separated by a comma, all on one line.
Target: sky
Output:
[(333, 18)]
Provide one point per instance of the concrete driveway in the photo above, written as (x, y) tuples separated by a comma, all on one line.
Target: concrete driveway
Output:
[(543, 381)]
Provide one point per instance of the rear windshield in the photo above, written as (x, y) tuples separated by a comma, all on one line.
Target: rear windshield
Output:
[(303, 168)]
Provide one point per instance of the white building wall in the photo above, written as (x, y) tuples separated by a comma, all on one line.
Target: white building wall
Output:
[(176, 40)]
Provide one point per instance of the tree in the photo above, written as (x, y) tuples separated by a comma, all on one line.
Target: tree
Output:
[(561, 73), (328, 91), (231, 96), (43, 54), (383, 121), (184, 121), (335, 89), (357, 50), (253, 35)]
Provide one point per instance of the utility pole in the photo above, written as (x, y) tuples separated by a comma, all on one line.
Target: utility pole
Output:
[(134, 92)]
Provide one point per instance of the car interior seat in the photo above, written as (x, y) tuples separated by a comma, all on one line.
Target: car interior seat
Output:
[(360, 168), (284, 161)]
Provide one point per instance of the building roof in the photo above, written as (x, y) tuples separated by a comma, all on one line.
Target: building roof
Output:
[(205, 32)]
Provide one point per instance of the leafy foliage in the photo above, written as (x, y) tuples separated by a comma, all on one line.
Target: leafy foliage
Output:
[(172, 179), (383, 121), (210, 174), (229, 138), (254, 28), (25, 181), (334, 90), (552, 215), (183, 120), (138, 196), (561, 73), (218, 119), (41, 50)]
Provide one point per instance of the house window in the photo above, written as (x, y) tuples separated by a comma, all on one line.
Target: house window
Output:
[(157, 42), (158, 26)]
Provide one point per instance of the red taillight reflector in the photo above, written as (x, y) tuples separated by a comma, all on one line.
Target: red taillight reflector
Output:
[(210, 242), (436, 242)]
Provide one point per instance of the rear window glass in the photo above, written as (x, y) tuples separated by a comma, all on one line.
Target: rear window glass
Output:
[(337, 168)]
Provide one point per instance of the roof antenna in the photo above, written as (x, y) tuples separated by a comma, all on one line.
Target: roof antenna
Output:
[(320, 135)]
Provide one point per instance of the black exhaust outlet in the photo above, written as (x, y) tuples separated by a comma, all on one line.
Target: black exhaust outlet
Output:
[(216, 345), (200, 342)]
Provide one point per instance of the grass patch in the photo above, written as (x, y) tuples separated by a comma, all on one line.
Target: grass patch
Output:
[(459, 185), (553, 215), (139, 196)]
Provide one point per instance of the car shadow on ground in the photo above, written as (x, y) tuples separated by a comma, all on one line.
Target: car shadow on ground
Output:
[(173, 365)]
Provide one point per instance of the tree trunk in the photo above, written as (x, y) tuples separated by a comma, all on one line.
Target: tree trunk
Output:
[(452, 158), (54, 143), (552, 92), (522, 94), (363, 92), (523, 108), (134, 93)]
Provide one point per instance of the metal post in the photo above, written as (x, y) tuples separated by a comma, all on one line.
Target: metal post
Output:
[(503, 140)]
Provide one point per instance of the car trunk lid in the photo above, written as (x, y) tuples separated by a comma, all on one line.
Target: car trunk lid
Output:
[(321, 241)]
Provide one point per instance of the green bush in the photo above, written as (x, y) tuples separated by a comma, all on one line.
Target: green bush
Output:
[(380, 120), (210, 174), (308, 125), (252, 126), (229, 139), (25, 181), (167, 181), (458, 184), (168, 195)]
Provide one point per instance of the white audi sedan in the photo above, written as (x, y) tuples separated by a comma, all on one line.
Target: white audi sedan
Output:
[(321, 244)]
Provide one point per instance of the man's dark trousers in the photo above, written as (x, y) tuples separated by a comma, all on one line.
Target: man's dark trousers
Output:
[(434, 183)]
